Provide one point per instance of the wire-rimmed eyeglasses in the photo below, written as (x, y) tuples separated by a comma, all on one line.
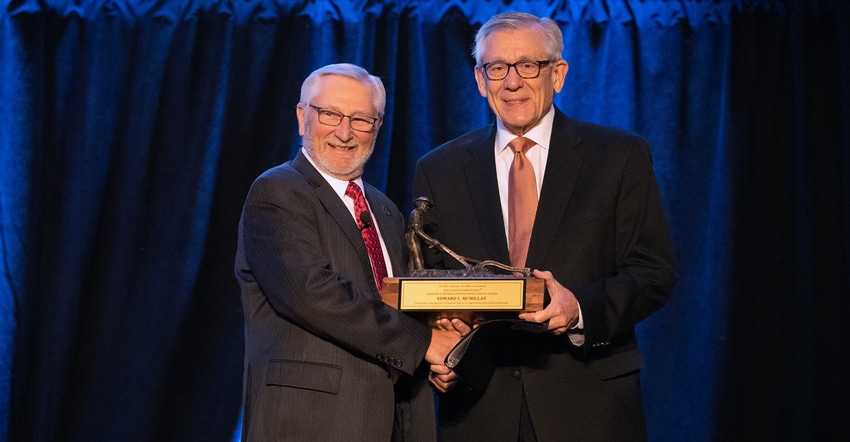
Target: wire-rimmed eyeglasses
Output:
[(498, 70), (331, 117)]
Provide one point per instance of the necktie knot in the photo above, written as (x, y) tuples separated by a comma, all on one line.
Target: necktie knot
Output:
[(353, 190), (521, 145)]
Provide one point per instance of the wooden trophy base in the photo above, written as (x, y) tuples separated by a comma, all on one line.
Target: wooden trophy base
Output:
[(464, 294)]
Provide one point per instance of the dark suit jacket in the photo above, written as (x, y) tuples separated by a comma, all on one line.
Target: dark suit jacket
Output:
[(602, 231), (320, 346)]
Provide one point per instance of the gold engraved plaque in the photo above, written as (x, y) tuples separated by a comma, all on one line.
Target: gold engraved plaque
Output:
[(464, 293)]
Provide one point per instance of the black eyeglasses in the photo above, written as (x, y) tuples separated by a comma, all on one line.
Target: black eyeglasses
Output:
[(331, 117), (498, 70)]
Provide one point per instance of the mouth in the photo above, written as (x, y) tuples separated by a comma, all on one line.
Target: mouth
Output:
[(515, 102), (341, 147)]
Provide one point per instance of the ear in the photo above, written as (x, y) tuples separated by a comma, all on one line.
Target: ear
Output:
[(559, 72), (482, 82), (299, 113)]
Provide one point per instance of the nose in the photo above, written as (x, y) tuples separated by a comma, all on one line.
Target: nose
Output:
[(343, 130), (512, 80)]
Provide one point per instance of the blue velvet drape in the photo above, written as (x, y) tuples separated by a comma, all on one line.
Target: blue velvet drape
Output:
[(131, 130)]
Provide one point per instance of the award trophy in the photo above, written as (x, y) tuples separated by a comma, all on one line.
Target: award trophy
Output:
[(470, 293)]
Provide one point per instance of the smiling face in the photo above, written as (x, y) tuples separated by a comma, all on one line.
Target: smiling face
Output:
[(520, 103), (338, 151)]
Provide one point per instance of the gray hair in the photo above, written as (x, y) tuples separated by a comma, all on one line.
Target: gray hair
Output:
[(554, 44), (310, 87)]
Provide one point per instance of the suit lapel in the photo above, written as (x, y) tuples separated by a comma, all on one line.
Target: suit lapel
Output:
[(480, 172), (335, 208), (562, 170)]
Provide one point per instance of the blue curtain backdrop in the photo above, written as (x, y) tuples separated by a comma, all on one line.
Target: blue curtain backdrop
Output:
[(130, 132)]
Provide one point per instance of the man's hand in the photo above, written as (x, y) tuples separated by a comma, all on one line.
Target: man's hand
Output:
[(443, 339), (453, 325), (442, 377), (442, 342), (562, 311)]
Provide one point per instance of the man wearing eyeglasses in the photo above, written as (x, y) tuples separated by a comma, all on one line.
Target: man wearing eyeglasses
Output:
[(325, 358), (575, 199)]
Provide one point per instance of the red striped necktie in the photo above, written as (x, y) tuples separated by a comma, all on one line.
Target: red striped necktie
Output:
[(367, 230)]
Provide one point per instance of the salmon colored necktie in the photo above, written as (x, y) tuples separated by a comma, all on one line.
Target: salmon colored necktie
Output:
[(522, 201), (370, 235)]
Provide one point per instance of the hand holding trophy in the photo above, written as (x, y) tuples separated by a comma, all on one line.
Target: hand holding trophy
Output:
[(486, 301)]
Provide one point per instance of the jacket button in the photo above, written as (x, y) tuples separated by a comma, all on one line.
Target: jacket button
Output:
[(515, 374)]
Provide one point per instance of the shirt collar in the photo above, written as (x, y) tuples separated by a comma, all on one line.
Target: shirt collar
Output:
[(540, 134)]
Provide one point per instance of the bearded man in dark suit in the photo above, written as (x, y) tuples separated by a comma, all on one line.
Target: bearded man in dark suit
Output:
[(596, 225), (325, 358)]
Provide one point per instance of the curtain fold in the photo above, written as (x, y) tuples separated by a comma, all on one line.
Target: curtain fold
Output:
[(130, 132), (665, 13)]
